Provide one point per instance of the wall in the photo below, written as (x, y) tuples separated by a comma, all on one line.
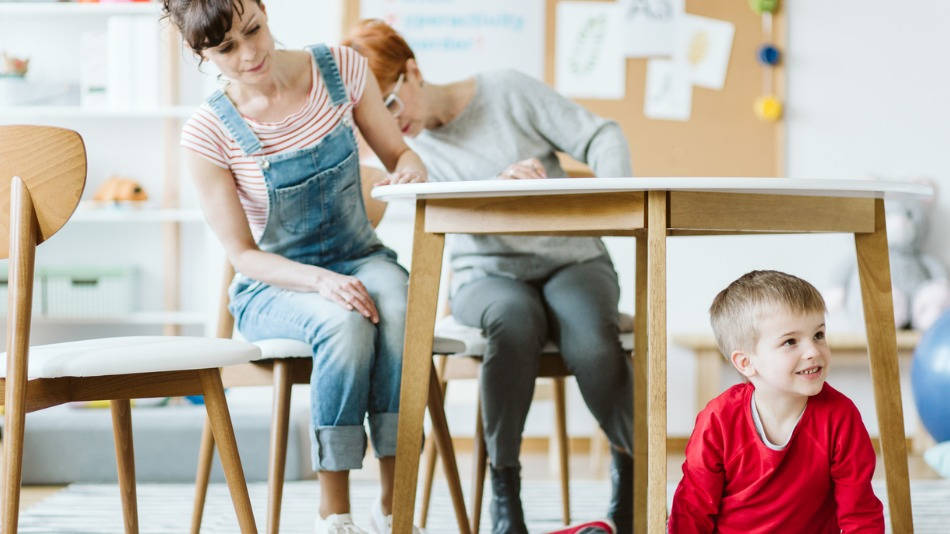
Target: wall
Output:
[(865, 98)]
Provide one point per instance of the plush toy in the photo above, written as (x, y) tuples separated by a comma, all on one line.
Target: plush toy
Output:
[(13, 66), (120, 189), (918, 281)]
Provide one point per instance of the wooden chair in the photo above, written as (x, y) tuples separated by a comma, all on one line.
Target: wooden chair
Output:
[(466, 364), (284, 362), (42, 175)]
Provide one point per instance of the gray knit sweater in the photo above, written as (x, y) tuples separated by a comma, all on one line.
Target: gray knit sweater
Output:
[(514, 117)]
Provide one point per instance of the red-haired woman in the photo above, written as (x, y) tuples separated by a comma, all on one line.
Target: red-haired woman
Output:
[(520, 290)]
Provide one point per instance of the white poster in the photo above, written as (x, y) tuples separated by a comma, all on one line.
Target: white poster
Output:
[(453, 39), (589, 61), (649, 26), (669, 93), (705, 44)]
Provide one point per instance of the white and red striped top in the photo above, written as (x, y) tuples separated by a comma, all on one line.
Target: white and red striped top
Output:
[(207, 136)]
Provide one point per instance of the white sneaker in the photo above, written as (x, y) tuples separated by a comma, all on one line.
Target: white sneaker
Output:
[(383, 524), (336, 524)]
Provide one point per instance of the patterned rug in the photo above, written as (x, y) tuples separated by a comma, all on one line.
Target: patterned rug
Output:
[(166, 508)]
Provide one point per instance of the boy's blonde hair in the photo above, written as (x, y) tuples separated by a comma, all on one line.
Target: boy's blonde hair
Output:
[(735, 311)]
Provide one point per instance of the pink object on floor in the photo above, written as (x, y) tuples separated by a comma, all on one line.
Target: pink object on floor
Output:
[(598, 526)]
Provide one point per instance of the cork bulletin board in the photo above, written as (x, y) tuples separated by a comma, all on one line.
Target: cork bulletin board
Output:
[(723, 136)]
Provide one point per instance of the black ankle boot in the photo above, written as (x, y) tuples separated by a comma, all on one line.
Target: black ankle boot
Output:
[(507, 516), (621, 501)]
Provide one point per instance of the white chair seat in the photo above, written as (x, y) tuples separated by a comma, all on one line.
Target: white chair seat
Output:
[(135, 354), (294, 348), (475, 343)]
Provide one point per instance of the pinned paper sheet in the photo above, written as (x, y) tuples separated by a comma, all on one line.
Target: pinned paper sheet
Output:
[(649, 26), (453, 39), (669, 93), (589, 61), (704, 45)]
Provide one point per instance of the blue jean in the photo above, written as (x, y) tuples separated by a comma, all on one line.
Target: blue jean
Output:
[(357, 365)]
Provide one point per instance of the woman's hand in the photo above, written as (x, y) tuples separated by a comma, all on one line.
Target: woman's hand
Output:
[(349, 292), (528, 169), (403, 176)]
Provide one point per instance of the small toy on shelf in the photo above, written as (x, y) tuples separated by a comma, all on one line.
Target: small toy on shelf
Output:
[(120, 190), (13, 66)]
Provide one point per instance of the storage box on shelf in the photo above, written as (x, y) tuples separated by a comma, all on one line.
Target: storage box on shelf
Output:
[(81, 292), (90, 291)]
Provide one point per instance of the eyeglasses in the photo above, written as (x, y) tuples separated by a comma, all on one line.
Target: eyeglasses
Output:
[(392, 101)]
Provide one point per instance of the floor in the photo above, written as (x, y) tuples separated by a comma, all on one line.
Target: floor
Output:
[(535, 466)]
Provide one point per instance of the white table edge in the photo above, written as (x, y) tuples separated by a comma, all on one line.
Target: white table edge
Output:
[(565, 186)]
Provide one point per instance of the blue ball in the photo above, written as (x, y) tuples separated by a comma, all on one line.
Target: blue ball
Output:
[(930, 379), (769, 55)]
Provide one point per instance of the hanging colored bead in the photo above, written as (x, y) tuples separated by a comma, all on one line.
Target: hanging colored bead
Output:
[(764, 6), (769, 55), (768, 108)]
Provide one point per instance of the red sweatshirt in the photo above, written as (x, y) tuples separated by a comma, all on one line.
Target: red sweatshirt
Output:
[(819, 483)]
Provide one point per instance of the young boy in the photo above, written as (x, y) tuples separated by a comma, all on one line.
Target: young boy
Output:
[(784, 452)]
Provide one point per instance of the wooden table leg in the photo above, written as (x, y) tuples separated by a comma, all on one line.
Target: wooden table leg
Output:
[(640, 367), (874, 272), (656, 351), (417, 362)]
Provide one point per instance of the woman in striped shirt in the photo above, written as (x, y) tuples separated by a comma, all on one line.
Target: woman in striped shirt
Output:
[(275, 163)]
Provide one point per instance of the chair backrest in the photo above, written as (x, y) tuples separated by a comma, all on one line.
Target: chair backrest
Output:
[(42, 175), (375, 209), (52, 164)]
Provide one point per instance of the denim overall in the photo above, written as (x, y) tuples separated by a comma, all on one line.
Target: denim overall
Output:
[(316, 216)]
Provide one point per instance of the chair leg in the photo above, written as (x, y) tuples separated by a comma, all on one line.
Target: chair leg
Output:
[(278, 443), (220, 419), (479, 465), (563, 447), (428, 475), (428, 454), (440, 433), (13, 429), (205, 457), (125, 461)]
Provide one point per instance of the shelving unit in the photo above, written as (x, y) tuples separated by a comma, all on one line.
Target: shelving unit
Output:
[(146, 215), (49, 33), (137, 318), (75, 8), (165, 112)]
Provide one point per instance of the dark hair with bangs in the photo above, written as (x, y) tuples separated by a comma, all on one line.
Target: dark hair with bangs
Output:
[(203, 23)]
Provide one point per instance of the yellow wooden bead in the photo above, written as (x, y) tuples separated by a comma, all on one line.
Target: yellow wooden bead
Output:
[(768, 108)]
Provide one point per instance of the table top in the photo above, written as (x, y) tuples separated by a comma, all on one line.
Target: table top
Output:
[(565, 186)]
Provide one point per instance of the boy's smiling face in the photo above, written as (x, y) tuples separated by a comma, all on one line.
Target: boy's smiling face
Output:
[(791, 356)]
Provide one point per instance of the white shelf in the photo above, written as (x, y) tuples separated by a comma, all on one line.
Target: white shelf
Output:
[(75, 8), (140, 318), (85, 214), (166, 112)]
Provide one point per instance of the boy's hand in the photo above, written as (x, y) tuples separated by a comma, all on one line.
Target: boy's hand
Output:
[(528, 169)]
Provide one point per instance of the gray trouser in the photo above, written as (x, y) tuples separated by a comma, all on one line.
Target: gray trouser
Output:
[(576, 307)]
